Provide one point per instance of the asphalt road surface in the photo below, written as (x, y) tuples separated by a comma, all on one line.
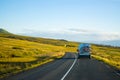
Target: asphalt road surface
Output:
[(69, 68)]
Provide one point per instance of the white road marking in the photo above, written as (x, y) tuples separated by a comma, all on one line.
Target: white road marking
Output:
[(113, 70), (107, 66), (69, 69), (101, 62), (118, 74)]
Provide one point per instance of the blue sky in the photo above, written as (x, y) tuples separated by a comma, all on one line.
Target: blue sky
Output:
[(79, 20)]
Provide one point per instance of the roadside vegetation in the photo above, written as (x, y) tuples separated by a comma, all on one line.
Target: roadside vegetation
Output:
[(107, 54), (20, 53)]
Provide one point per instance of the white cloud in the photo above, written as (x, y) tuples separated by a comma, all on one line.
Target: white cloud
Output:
[(89, 34), (77, 34), (102, 35), (108, 36)]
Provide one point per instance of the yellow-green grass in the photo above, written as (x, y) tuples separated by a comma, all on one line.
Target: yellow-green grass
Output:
[(57, 42), (109, 55), (19, 55)]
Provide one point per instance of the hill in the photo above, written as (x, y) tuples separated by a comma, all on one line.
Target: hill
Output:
[(19, 53), (2, 31), (36, 39)]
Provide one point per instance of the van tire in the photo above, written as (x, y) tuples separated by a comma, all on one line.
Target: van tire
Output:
[(89, 57)]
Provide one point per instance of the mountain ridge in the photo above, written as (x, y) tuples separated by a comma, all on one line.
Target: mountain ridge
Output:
[(3, 31), (35, 39)]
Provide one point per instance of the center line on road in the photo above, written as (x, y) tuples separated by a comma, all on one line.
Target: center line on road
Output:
[(69, 69)]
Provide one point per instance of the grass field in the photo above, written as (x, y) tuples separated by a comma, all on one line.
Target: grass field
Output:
[(109, 55), (17, 55)]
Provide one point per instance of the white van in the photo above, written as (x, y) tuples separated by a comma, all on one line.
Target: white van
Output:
[(84, 50)]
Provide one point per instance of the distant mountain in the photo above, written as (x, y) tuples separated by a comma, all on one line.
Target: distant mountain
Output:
[(115, 43), (112, 43), (2, 31), (76, 37)]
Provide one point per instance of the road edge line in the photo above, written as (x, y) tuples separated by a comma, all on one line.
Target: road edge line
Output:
[(69, 69)]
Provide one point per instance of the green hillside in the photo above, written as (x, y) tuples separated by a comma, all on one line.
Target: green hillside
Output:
[(35, 39), (19, 53), (2, 31)]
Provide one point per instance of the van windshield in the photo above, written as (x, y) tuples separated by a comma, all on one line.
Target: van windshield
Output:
[(86, 49)]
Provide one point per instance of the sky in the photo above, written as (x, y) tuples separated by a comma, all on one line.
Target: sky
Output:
[(76, 20)]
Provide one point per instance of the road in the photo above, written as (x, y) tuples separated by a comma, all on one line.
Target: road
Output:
[(69, 68)]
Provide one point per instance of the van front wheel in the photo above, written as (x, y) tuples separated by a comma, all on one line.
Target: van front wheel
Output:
[(89, 57)]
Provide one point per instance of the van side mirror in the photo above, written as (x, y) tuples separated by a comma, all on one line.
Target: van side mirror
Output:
[(77, 50)]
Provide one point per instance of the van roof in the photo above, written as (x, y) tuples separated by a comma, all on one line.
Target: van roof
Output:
[(84, 44)]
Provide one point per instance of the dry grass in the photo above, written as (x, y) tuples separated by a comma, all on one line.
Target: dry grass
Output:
[(19, 55), (110, 55)]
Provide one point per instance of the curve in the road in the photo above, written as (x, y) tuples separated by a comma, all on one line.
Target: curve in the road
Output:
[(50, 71), (69, 68)]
